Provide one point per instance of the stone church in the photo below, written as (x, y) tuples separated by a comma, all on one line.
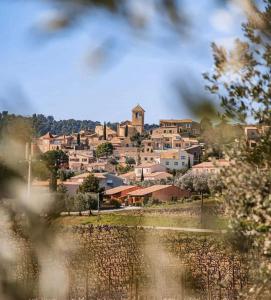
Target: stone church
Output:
[(130, 128)]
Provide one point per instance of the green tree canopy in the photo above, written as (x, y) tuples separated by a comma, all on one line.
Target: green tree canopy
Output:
[(54, 160), (104, 149), (90, 185), (241, 80)]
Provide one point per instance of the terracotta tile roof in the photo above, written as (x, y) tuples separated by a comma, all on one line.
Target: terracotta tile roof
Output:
[(119, 189), (178, 121), (148, 190), (48, 135), (138, 108), (209, 164), (128, 175), (85, 175), (158, 175), (147, 165)]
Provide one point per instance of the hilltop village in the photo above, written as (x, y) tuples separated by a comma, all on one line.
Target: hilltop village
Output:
[(133, 163)]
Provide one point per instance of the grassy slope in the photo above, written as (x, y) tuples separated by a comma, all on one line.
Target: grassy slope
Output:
[(168, 217)]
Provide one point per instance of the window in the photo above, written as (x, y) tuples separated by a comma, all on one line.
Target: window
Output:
[(167, 163), (183, 163), (175, 163), (138, 115), (183, 157)]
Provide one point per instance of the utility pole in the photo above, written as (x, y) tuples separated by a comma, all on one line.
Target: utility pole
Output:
[(98, 208), (28, 157)]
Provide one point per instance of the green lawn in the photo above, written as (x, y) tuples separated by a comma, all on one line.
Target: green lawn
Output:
[(166, 215), (137, 220)]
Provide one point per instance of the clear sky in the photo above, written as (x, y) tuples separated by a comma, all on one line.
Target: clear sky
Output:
[(52, 75)]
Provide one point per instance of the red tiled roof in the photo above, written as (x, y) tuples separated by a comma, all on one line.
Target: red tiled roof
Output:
[(119, 189), (215, 164), (148, 190)]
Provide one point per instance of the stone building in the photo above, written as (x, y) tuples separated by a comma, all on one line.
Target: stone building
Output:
[(130, 128)]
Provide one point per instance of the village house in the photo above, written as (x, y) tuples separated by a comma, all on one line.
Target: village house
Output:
[(196, 151), (158, 176), (210, 167), (120, 193), (148, 168), (252, 135), (128, 177), (80, 160), (50, 141), (164, 141), (176, 159), (147, 145), (110, 133), (122, 153), (106, 181), (101, 166), (165, 130), (150, 157), (119, 142), (184, 142), (186, 127), (161, 193)]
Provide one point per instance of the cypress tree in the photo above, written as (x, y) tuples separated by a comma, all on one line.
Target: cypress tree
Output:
[(142, 176), (78, 139), (126, 130), (104, 131), (189, 163)]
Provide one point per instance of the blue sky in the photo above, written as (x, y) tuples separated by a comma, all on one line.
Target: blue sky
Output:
[(52, 76)]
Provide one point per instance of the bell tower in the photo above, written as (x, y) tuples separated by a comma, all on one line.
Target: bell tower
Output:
[(138, 114)]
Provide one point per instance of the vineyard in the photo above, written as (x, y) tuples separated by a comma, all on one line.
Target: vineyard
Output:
[(133, 263)]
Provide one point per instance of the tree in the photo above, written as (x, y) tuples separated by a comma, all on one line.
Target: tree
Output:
[(69, 204), (142, 176), (105, 149), (54, 160), (200, 185), (195, 183), (104, 132), (113, 161), (241, 80), (215, 184), (189, 163), (40, 170), (186, 181), (78, 139), (58, 204), (80, 203), (130, 161), (126, 130), (90, 185), (205, 124)]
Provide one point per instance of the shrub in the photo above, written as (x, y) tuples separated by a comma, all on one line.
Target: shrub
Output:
[(115, 202)]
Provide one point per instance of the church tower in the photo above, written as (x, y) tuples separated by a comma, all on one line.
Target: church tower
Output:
[(138, 118)]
